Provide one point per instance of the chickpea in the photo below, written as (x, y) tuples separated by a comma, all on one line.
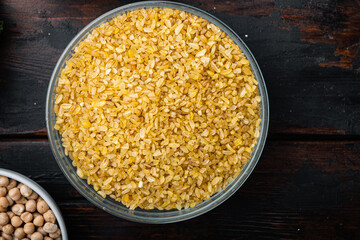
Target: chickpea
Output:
[(10, 214), (8, 228), (33, 196), (25, 191), (4, 181), (49, 216), (10, 201), (16, 221), (14, 194), (6, 236), (4, 203), (39, 221), (26, 239), (26, 217), (22, 200), (42, 207), (30, 206), (27, 208), (37, 236), (50, 227), (18, 209), (42, 231), (29, 228), (12, 184), (4, 219), (3, 191), (19, 233), (55, 234)]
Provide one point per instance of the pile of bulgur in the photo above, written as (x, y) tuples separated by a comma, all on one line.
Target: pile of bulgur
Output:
[(158, 108)]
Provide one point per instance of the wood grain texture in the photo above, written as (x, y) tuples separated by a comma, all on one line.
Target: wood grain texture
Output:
[(307, 182), (302, 190), (308, 52)]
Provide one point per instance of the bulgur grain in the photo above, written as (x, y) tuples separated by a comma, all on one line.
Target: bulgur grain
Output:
[(158, 108)]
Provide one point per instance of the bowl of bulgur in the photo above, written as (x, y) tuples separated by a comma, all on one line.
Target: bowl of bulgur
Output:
[(157, 112)]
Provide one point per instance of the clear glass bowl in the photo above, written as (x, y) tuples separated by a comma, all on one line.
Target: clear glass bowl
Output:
[(116, 208)]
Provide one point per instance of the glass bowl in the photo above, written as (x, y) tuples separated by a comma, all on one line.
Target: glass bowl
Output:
[(42, 193), (108, 204)]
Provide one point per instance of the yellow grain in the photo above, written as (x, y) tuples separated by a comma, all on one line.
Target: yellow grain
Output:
[(156, 112)]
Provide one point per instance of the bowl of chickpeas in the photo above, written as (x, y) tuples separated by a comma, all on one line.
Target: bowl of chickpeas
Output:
[(27, 211)]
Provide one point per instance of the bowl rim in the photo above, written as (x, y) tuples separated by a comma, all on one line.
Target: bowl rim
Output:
[(42, 193), (217, 198)]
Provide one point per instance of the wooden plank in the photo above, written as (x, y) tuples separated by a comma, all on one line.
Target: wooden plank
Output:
[(312, 72), (298, 190), (229, 222)]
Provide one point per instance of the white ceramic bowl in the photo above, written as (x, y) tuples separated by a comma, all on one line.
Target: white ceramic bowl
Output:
[(42, 193)]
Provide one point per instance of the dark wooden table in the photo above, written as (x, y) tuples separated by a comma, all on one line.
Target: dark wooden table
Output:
[(307, 182)]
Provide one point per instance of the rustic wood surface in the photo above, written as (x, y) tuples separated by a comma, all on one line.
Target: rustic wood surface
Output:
[(307, 182)]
